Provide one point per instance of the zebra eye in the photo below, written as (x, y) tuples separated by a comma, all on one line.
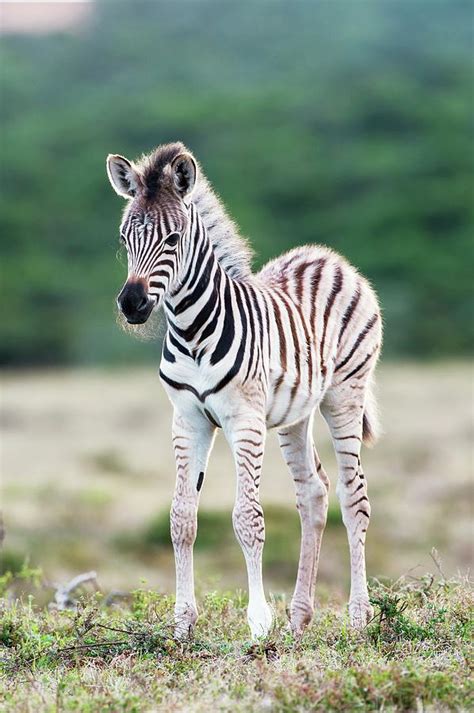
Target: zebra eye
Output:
[(172, 240), (122, 238)]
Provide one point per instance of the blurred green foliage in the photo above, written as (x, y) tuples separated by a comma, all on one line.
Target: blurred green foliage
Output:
[(216, 537), (347, 123)]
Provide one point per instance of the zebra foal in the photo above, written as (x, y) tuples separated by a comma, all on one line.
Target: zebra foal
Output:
[(247, 352)]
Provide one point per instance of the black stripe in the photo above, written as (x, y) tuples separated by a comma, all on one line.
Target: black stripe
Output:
[(281, 340), (240, 354), (211, 418), (190, 332), (360, 338), (202, 249), (210, 329), (203, 283), (227, 334), (358, 368), (195, 257), (364, 497), (157, 285), (336, 288), (349, 312), (253, 352), (257, 310), (315, 280), (178, 345), (179, 386), (167, 355)]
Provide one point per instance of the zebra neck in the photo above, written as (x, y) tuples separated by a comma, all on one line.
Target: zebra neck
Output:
[(191, 308)]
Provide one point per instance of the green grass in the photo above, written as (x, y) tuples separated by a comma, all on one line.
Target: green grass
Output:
[(121, 656)]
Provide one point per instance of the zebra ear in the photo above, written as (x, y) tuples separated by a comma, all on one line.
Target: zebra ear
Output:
[(184, 171), (122, 175)]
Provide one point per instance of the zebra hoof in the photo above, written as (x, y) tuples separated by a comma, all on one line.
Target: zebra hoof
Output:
[(300, 616), (360, 613), (185, 619), (260, 620)]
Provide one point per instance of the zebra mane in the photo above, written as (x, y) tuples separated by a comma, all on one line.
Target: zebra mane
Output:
[(230, 248)]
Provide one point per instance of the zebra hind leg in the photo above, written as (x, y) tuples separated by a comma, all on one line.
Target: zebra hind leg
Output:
[(311, 486), (343, 410)]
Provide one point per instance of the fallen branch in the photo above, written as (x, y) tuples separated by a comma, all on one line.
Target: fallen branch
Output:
[(62, 595)]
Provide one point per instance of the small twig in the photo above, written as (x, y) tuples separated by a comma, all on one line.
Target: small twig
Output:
[(436, 559), (120, 631), (77, 647), (428, 587), (74, 647)]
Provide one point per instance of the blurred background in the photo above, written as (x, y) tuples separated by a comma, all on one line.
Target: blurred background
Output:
[(346, 123)]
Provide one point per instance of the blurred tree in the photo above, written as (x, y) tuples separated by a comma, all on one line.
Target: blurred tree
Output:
[(343, 123)]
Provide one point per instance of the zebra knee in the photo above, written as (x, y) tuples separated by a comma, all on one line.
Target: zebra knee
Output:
[(249, 525), (183, 523), (312, 504), (354, 501), (319, 503)]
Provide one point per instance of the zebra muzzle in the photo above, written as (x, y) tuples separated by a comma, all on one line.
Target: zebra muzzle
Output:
[(134, 303)]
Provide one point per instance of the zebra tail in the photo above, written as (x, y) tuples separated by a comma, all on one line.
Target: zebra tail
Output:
[(371, 429)]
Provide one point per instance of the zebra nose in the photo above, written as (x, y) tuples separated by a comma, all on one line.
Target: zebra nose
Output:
[(134, 303)]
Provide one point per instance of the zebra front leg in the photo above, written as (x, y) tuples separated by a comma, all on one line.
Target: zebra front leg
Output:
[(192, 444), (311, 486), (345, 423), (247, 439)]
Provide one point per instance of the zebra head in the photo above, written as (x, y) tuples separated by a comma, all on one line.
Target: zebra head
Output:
[(154, 223)]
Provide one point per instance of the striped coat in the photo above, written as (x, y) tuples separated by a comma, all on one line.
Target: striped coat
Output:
[(247, 352)]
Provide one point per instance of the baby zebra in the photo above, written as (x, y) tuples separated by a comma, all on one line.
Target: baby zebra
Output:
[(246, 352)]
